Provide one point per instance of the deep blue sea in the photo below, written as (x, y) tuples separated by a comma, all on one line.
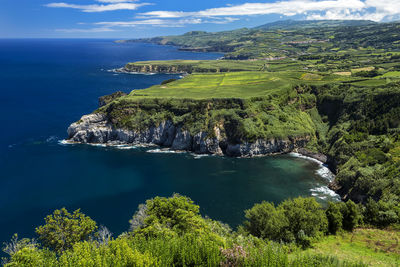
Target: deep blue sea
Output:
[(47, 84)]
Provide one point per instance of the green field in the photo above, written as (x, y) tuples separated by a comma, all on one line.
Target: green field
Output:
[(370, 246), (234, 85), (222, 85)]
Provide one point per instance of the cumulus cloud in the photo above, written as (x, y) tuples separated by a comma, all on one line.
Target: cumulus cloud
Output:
[(376, 10), (171, 23), (109, 5), (324, 9)]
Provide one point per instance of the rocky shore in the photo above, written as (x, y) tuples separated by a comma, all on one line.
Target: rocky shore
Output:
[(96, 128)]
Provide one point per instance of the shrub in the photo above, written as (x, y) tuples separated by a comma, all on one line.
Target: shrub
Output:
[(63, 229), (117, 253), (335, 218), (265, 221), (293, 220), (351, 215)]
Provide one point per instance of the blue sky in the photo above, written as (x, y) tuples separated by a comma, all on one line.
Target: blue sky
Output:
[(145, 18)]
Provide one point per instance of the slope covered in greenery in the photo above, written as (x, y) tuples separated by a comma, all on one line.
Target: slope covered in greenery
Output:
[(171, 232), (273, 42)]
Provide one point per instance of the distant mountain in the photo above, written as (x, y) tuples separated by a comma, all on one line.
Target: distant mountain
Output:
[(296, 24)]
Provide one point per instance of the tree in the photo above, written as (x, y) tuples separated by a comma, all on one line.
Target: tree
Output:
[(335, 218), (351, 215), (265, 221), (168, 216), (304, 214), (293, 220), (371, 212), (63, 229)]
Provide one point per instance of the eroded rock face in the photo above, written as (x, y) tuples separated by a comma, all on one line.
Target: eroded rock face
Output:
[(96, 128)]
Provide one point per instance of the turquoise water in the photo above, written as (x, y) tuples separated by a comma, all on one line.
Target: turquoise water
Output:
[(47, 84)]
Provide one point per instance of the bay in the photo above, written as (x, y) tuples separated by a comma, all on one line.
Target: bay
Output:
[(46, 84)]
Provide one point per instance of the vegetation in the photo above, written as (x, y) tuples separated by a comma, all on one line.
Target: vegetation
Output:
[(64, 229), (290, 39), (355, 122), (171, 232), (371, 246), (336, 86)]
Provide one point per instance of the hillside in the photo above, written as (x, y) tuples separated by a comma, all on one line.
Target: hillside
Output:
[(271, 41), (305, 24)]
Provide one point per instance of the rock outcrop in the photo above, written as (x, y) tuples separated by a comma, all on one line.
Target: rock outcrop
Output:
[(97, 129), (149, 68)]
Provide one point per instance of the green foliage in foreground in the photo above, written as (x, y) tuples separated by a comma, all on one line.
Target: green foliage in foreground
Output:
[(371, 246), (63, 229), (171, 232), (293, 220)]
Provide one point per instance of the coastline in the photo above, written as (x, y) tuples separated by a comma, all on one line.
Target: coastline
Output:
[(323, 170)]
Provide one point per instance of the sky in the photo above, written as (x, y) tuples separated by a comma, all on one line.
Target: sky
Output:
[(146, 18)]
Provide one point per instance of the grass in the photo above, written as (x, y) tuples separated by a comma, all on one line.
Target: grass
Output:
[(221, 85), (392, 74), (233, 85), (370, 246), (205, 65)]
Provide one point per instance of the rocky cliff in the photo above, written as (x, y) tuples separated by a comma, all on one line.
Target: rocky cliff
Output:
[(150, 68), (96, 128)]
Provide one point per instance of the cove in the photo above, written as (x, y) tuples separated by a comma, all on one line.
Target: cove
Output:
[(48, 84)]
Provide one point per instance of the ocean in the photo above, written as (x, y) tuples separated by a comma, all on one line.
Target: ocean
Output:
[(46, 84)]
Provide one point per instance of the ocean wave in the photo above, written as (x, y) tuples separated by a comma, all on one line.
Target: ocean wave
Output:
[(124, 147), (298, 155), (64, 142), (199, 156), (323, 192), (122, 71), (323, 170), (166, 151)]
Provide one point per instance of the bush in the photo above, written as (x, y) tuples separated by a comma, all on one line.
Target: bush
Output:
[(305, 214), (335, 218), (117, 253), (381, 214), (293, 220), (351, 215), (167, 216), (265, 221), (63, 229)]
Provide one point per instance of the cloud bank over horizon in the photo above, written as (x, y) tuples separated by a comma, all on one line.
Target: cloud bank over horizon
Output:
[(375, 10)]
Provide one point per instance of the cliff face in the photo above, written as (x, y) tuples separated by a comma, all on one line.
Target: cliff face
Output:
[(97, 129), (148, 68), (179, 68)]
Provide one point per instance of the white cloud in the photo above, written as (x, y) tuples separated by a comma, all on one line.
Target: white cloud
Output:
[(287, 8), (376, 10), (115, 1), (158, 22), (111, 5)]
